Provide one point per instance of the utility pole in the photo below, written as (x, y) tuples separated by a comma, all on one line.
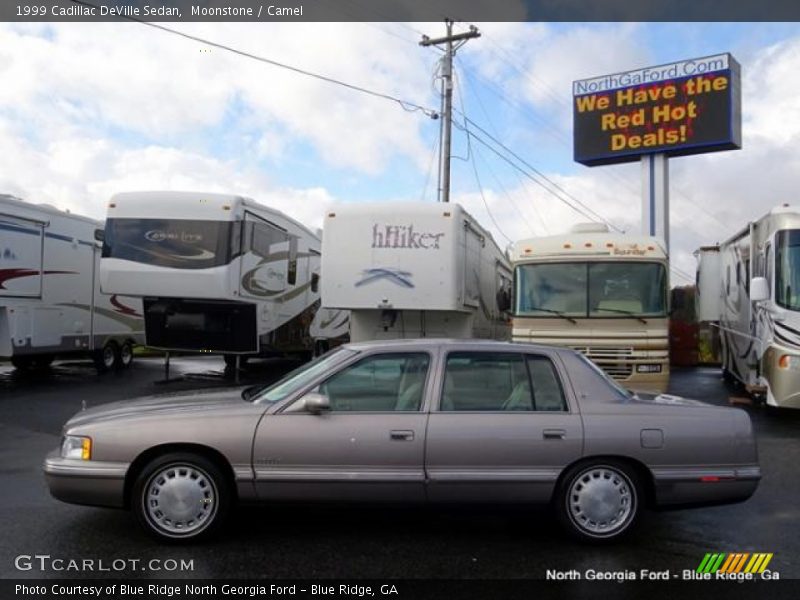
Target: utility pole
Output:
[(446, 126)]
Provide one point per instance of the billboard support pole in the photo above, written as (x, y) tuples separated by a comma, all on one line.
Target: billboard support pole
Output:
[(655, 197)]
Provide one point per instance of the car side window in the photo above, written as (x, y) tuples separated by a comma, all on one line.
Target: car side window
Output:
[(548, 395), (384, 382), (486, 381)]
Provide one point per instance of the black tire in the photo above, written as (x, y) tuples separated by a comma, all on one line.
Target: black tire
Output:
[(576, 501), (107, 357), (125, 356), (43, 361), (209, 492), (22, 363)]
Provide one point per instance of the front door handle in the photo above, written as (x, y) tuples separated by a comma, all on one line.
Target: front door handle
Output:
[(554, 434), (402, 434)]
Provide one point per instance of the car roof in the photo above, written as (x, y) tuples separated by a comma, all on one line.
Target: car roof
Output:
[(471, 344)]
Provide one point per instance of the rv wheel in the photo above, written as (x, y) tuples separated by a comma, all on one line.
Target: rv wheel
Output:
[(22, 363), (43, 361), (107, 357), (125, 356)]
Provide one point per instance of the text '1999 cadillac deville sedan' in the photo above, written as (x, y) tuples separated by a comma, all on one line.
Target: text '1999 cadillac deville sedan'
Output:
[(436, 421)]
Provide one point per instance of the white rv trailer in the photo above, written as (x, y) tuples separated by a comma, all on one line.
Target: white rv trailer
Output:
[(217, 273), (598, 292), (750, 287), (412, 269), (50, 300)]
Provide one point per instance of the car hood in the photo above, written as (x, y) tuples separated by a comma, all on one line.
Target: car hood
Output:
[(197, 401)]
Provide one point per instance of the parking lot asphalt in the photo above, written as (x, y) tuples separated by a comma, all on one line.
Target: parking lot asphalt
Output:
[(285, 541)]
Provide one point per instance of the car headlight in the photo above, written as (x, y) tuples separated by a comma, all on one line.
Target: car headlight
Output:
[(76, 446)]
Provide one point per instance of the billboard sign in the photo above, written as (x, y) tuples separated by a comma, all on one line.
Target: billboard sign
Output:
[(680, 108)]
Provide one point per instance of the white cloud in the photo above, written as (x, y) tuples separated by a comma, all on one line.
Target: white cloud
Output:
[(144, 81)]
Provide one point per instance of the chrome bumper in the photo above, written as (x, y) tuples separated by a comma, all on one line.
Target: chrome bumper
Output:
[(93, 483)]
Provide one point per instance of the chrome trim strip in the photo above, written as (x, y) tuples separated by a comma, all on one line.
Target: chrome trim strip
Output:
[(694, 473), (493, 474), (321, 475), (243, 473), (63, 467)]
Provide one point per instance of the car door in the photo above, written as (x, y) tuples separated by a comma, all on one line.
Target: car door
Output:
[(367, 446), (503, 428)]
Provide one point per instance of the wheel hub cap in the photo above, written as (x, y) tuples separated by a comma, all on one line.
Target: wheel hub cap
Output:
[(601, 501), (180, 499)]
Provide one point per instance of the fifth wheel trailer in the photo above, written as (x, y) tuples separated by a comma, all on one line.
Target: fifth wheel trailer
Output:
[(749, 287), (217, 273), (50, 299), (412, 269)]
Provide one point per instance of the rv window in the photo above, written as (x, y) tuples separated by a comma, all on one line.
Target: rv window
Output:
[(314, 282), (787, 269), (291, 275), (727, 280), (176, 243), (747, 276), (265, 240)]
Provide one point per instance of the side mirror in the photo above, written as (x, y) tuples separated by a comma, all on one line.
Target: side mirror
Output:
[(99, 235), (759, 289), (316, 403)]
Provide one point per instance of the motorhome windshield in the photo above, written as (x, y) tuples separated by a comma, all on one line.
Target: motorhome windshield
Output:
[(787, 258), (591, 290), (176, 243)]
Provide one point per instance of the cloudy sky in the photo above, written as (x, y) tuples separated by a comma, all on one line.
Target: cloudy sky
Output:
[(88, 110)]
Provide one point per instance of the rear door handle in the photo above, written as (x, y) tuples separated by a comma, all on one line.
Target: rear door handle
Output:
[(402, 434), (554, 434)]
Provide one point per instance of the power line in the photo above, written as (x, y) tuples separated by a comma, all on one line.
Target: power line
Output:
[(471, 153), (404, 104), (494, 128), (587, 211)]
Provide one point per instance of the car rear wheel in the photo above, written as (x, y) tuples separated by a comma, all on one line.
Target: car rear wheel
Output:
[(599, 501), (181, 498)]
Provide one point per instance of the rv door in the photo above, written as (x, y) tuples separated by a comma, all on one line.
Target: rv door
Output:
[(21, 257)]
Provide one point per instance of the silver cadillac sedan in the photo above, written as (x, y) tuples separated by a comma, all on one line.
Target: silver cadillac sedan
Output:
[(438, 421)]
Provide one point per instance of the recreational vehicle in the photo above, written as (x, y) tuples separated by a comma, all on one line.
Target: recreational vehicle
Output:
[(412, 270), (217, 273), (50, 300), (749, 287), (601, 293)]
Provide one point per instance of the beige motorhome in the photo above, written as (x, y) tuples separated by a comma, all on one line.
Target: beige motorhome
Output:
[(602, 293)]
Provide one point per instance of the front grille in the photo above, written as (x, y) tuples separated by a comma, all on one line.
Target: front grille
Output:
[(617, 371), (610, 359), (605, 351)]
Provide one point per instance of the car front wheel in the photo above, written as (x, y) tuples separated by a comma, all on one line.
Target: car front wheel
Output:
[(181, 498), (599, 501)]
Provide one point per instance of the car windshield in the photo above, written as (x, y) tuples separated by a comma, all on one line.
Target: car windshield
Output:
[(591, 290), (301, 376), (787, 257)]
